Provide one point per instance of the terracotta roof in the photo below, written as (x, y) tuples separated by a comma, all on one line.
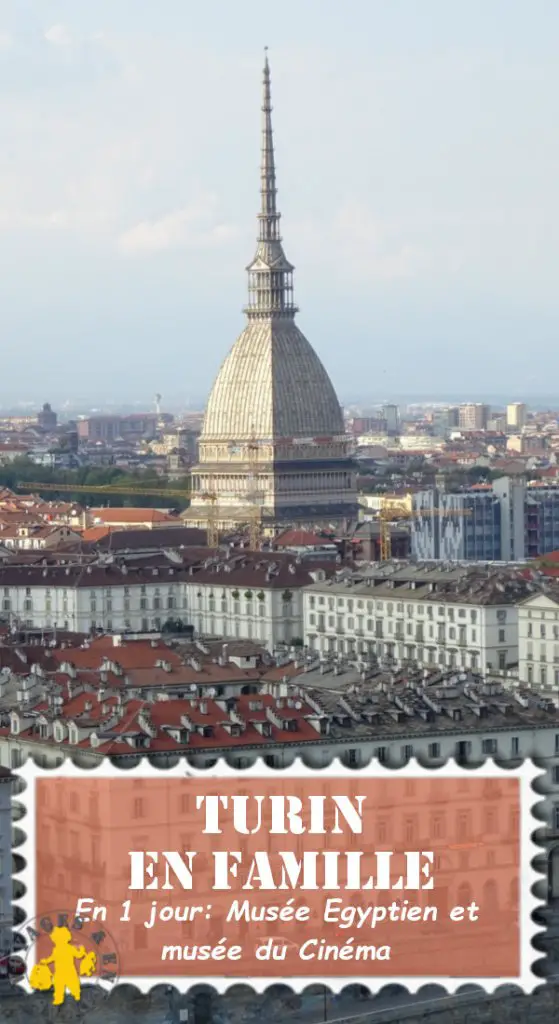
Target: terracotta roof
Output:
[(129, 654), (95, 533), (299, 538), (207, 724), (132, 515)]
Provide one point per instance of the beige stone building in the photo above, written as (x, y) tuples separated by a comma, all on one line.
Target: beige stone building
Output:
[(273, 435)]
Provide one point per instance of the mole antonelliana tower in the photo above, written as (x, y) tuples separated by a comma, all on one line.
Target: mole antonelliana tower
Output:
[(273, 432)]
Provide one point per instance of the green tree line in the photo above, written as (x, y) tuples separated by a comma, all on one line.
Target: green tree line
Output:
[(22, 471)]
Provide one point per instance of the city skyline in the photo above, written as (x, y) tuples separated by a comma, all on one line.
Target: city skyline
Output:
[(416, 181)]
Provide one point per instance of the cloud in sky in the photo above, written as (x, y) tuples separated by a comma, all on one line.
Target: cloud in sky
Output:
[(416, 170), (195, 226), (59, 35)]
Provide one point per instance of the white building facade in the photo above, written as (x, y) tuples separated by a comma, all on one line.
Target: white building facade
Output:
[(261, 610), (398, 624), (538, 639)]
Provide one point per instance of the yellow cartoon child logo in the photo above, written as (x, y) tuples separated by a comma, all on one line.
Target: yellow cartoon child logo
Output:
[(64, 976)]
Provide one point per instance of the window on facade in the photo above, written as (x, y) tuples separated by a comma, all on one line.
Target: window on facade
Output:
[(463, 825), (501, 636), (407, 752), (437, 826), (489, 746), (490, 819), (434, 750), (515, 746), (410, 830), (381, 753)]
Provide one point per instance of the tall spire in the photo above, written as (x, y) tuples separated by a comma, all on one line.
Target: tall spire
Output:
[(270, 275), (269, 217)]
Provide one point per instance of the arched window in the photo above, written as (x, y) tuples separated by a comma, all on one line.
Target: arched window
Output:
[(464, 895), (490, 897)]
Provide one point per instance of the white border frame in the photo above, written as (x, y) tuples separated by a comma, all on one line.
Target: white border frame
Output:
[(528, 876)]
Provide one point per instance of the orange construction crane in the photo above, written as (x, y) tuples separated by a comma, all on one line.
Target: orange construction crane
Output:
[(394, 510)]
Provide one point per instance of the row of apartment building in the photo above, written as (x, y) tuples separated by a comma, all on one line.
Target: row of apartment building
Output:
[(257, 597), (485, 618), (488, 619)]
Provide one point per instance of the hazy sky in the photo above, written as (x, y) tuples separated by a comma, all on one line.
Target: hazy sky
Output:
[(418, 171)]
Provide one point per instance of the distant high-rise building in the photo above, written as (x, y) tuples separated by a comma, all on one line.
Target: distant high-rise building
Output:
[(517, 415), (445, 420), (47, 419), (509, 522), (455, 527), (473, 416), (391, 417)]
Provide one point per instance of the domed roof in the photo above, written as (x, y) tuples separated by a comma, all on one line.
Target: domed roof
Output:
[(272, 385)]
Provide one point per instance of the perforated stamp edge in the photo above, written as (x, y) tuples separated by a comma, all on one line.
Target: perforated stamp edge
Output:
[(527, 773)]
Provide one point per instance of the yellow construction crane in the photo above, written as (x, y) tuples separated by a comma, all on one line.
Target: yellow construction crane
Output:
[(216, 516), (251, 515), (109, 489), (394, 509)]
